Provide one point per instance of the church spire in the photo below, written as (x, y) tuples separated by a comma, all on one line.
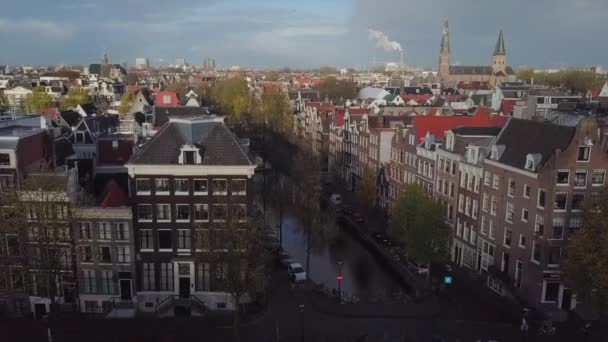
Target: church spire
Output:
[(445, 37), (500, 45)]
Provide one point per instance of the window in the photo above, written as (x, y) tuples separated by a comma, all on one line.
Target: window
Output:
[(164, 240), (166, 276), (86, 253), (148, 276), (143, 186), (183, 239), (551, 292), (494, 206), (578, 201), (107, 283), (536, 251), (475, 209), (458, 227), (105, 231), (166, 99), (473, 236), (181, 187), (524, 215), (5, 159), (467, 206), (201, 212), (80, 137), (163, 212), (486, 178), (484, 228), (239, 211), (114, 145), (563, 177), (144, 212), (124, 254), (598, 177), (558, 227), (220, 187), (580, 178), (89, 285), (219, 212), (105, 254), (522, 241), (470, 180), (145, 239), (507, 237), (463, 179), (161, 186), (575, 224), (122, 231), (540, 203), (496, 181), (183, 212), (203, 277), (189, 157), (13, 245), (238, 187), (560, 201), (511, 190), (519, 269), (203, 239), (200, 187), (539, 225), (85, 230), (583, 153), (460, 203), (509, 212), (465, 234), (491, 230), (527, 191), (485, 202)]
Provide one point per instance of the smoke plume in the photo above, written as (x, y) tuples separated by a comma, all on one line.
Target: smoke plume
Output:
[(382, 41)]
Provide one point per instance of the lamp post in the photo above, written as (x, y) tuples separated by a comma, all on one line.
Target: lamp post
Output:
[(339, 278), (301, 308)]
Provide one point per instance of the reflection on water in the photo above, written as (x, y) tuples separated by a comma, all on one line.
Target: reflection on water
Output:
[(363, 275)]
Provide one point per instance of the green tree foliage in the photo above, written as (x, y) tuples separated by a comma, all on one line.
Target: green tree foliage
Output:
[(366, 188), (577, 81), (3, 100), (418, 222), (74, 97), (232, 95), (585, 267), (70, 74), (337, 90), (126, 101), (272, 111), (37, 100)]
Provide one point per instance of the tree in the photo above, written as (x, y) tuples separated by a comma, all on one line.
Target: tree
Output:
[(280, 194), (585, 266), (418, 222), (126, 101), (3, 100), (337, 90), (70, 74), (366, 189), (37, 100), (75, 96), (576, 81), (178, 87), (237, 254), (232, 95), (273, 112)]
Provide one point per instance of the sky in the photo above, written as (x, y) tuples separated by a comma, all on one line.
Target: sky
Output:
[(297, 33)]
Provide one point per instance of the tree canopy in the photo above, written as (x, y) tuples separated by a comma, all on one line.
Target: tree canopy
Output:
[(418, 222), (337, 90), (232, 96), (585, 267), (576, 81), (272, 110), (74, 97), (126, 101), (37, 100)]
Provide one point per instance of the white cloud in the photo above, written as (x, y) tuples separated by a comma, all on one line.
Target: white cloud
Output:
[(36, 26)]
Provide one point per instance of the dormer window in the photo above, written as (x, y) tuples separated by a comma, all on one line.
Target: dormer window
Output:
[(449, 141), (532, 161), (189, 155), (494, 153), (472, 152)]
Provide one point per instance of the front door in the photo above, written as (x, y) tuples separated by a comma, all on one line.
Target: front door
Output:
[(184, 287), (567, 299), (39, 310), (125, 289)]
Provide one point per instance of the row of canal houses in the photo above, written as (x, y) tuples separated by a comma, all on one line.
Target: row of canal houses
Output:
[(512, 189)]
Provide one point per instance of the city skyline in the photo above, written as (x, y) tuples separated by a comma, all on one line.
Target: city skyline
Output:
[(265, 33)]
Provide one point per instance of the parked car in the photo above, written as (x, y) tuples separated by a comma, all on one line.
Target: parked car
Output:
[(419, 267), (296, 272), (335, 199)]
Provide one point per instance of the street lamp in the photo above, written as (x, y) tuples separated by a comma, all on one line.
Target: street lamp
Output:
[(339, 278), (301, 308)]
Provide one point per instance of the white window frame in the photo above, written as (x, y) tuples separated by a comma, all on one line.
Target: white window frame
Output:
[(524, 210), (240, 193), (522, 237), (177, 206), (104, 231), (164, 249), (526, 187), (567, 180), (588, 154), (181, 193), (586, 172), (162, 193), (123, 254), (165, 205), (561, 210), (204, 205), (496, 181), (538, 199), (218, 193), (603, 178), (198, 193), (150, 236)]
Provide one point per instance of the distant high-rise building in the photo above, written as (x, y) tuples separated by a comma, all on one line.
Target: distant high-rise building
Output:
[(209, 64), (180, 61), (142, 63)]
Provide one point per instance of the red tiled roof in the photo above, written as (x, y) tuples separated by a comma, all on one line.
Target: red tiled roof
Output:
[(438, 125), (339, 120), (158, 101), (114, 196), (271, 87)]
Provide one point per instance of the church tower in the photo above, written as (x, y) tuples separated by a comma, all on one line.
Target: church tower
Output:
[(444, 53), (499, 58)]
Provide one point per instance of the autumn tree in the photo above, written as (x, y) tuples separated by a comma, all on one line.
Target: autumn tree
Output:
[(126, 101), (337, 90), (238, 255), (418, 222), (366, 187), (273, 112), (75, 96), (576, 81), (585, 266), (232, 96), (37, 100)]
